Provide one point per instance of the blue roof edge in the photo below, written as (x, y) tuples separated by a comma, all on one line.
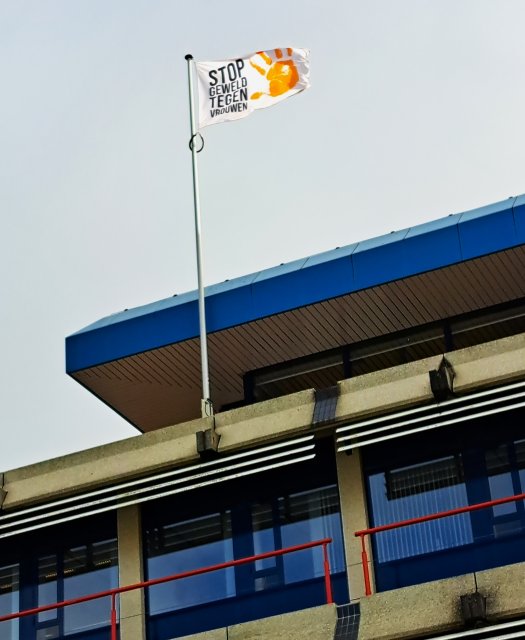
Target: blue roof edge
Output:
[(400, 254)]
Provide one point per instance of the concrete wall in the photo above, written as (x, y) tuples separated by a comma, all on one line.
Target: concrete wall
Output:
[(434, 607), (130, 566), (352, 494), (317, 623), (389, 389), (504, 588)]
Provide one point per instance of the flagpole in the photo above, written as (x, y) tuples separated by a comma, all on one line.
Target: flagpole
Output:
[(206, 403)]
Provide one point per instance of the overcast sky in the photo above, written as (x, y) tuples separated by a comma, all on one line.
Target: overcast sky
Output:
[(416, 110)]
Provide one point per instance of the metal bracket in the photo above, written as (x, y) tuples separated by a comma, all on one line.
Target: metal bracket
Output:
[(192, 142), (208, 443), (3, 492), (474, 609), (442, 381)]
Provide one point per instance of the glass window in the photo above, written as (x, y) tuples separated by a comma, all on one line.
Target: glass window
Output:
[(488, 325), (500, 479), (394, 350), (293, 520), (487, 464), (283, 522), (183, 546), (265, 534), (418, 490), (9, 600), (519, 448), (308, 516), (47, 586), (314, 372), (87, 569), (59, 563)]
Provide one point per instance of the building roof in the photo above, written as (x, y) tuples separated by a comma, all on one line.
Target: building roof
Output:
[(147, 357)]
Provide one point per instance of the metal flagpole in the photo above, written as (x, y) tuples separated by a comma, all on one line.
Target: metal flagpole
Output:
[(206, 403)]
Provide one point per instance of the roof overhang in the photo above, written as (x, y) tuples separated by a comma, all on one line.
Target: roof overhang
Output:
[(145, 362)]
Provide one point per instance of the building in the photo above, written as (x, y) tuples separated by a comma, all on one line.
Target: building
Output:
[(356, 390)]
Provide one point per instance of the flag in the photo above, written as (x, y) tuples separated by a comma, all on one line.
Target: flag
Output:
[(232, 89)]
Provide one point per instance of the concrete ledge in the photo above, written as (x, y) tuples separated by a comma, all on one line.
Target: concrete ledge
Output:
[(489, 364), (504, 588), (318, 623), (415, 611), (386, 390), (94, 467), (263, 421), (434, 607), (482, 365), (215, 634)]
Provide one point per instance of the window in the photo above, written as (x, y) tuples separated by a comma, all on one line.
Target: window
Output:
[(311, 515), (55, 564), (183, 546), (87, 569), (434, 473), (9, 599), (258, 514), (418, 490)]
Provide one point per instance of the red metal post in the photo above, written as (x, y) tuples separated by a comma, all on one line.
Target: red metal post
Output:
[(327, 579), (364, 561), (113, 617)]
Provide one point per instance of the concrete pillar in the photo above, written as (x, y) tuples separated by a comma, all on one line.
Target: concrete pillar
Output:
[(131, 570), (354, 514)]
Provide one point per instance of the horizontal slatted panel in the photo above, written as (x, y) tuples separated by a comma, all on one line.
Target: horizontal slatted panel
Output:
[(156, 486), (403, 423)]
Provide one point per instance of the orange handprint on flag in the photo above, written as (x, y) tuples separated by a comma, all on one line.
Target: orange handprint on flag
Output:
[(282, 75)]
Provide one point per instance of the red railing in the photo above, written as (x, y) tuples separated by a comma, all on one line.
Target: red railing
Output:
[(433, 516), (112, 593)]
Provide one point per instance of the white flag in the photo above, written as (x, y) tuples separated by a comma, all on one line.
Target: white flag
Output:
[(232, 89)]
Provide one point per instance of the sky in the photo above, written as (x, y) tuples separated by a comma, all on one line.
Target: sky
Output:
[(416, 111)]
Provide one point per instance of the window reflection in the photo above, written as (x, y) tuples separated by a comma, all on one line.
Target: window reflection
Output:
[(519, 448), (247, 516), (417, 490), (293, 520), (266, 534), (87, 569), (487, 464), (188, 545), (500, 479), (47, 586), (251, 529), (56, 564), (308, 516), (236, 520), (9, 599)]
